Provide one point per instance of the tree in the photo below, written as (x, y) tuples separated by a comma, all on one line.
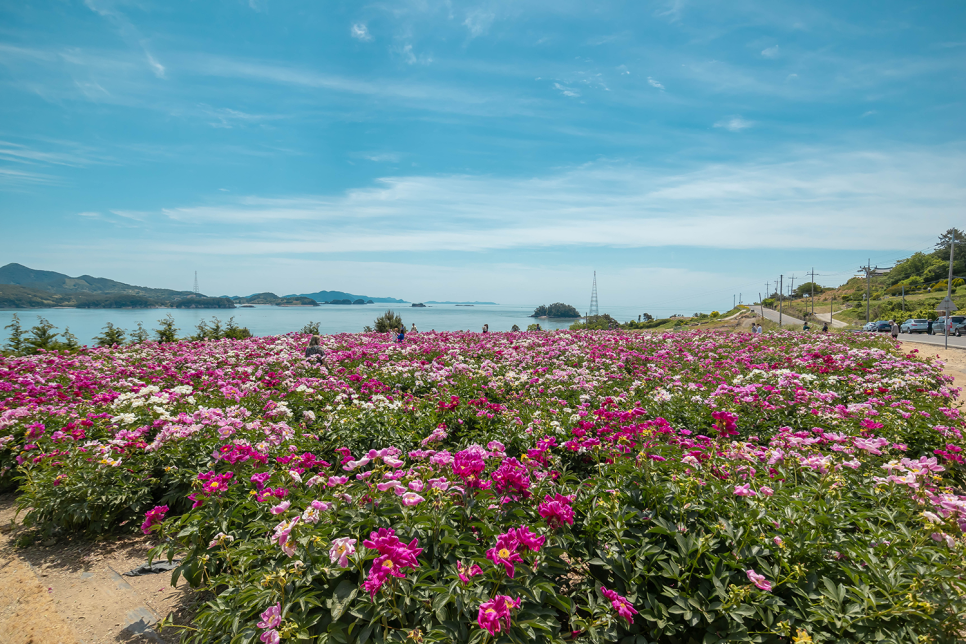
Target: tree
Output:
[(70, 340), (111, 336), (311, 328), (41, 338), (647, 317), (235, 332), (515, 328), (168, 331), (534, 327), (140, 336), (388, 321), (942, 245), (15, 343), (806, 289)]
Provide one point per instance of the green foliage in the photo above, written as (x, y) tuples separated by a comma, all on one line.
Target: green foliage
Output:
[(215, 331), (16, 342), (235, 332), (603, 321), (111, 336), (534, 327), (41, 338), (806, 289), (515, 328), (168, 331), (140, 335), (555, 310), (387, 322), (70, 340), (311, 328)]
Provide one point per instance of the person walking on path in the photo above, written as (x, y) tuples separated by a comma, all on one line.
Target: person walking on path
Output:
[(314, 351), (895, 330), (929, 327)]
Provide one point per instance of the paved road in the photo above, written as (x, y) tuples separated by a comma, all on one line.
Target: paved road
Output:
[(836, 324), (773, 316)]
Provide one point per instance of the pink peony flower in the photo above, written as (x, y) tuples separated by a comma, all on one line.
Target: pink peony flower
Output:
[(411, 498), (153, 517), (338, 480), (281, 507), (272, 617), (623, 607), (340, 551), (766, 491), (465, 573), (495, 614), (758, 580), (745, 490)]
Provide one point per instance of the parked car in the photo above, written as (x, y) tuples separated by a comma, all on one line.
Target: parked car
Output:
[(914, 326), (939, 326), (883, 326), (869, 326)]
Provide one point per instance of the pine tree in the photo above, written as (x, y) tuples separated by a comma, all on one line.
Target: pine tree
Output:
[(111, 336), (41, 338), (140, 336), (168, 331), (16, 342), (70, 340)]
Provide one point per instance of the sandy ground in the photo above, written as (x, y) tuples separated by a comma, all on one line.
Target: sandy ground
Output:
[(954, 359), (73, 592)]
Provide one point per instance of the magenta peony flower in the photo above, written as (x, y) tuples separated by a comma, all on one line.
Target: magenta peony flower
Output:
[(511, 478), (153, 517), (495, 614), (758, 580), (623, 607), (745, 490), (556, 511), (465, 573)]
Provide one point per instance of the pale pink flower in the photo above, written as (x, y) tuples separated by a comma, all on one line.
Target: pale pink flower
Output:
[(758, 580), (281, 507), (411, 498), (340, 551)]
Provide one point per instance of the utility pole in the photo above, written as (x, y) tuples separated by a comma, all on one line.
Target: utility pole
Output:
[(868, 287), (791, 286), (781, 280), (812, 296), (733, 301), (949, 287), (831, 302), (761, 306), (903, 299)]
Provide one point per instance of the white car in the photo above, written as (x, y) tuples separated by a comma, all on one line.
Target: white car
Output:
[(914, 326), (955, 324)]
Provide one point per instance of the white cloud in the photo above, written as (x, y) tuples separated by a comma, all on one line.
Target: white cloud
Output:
[(771, 52), (156, 67), (820, 199), (671, 10), (623, 69), (734, 124), (478, 22), (359, 31), (869, 113), (412, 59), (89, 215), (566, 91), (654, 83)]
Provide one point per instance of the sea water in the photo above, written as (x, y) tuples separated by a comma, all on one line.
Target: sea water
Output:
[(275, 320)]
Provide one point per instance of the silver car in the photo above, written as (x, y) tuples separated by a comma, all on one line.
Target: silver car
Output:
[(955, 324), (914, 326)]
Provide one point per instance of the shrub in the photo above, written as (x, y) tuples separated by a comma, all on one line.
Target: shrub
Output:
[(387, 322)]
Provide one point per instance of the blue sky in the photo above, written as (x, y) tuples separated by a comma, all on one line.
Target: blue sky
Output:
[(686, 151)]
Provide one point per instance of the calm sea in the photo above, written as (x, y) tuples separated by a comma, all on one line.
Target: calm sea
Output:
[(275, 320)]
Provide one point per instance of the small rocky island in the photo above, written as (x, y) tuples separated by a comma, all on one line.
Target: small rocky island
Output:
[(556, 310)]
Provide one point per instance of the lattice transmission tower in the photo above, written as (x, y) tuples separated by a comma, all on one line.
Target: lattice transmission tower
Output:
[(196, 283), (593, 312)]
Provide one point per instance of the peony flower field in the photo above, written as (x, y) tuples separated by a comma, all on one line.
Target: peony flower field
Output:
[(513, 487)]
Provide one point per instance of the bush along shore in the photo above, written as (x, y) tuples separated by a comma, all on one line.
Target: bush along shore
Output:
[(513, 487)]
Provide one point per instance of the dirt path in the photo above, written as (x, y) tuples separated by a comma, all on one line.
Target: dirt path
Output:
[(954, 359), (74, 592)]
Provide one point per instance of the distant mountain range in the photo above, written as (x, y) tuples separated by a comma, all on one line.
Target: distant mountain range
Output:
[(328, 296), (26, 288)]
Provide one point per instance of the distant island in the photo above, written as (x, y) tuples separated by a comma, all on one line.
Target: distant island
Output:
[(419, 305), (329, 297), (275, 300), (556, 310), (27, 288), (463, 303)]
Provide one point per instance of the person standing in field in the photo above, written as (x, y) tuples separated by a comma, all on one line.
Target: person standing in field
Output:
[(314, 351), (402, 334), (486, 328), (414, 330), (895, 330)]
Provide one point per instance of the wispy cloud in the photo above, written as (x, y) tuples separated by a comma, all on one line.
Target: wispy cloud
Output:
[(770, 52), (359, 31), (478, 22), (869, 113), (89, 215), (566, 91), (127, 30), (734, 124), (654, 83), (825, 199), (671, 10)]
